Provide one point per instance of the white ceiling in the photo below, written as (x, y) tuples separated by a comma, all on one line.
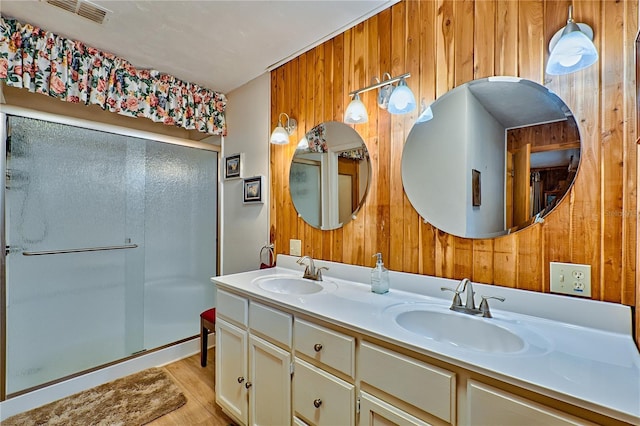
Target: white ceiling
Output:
[(218, 44), (519, 104)]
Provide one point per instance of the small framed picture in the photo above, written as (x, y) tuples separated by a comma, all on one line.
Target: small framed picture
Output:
[(233, 166), (476, 189), (253, 190)]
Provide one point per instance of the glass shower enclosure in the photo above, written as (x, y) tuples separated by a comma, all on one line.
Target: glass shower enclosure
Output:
[(110, 244)]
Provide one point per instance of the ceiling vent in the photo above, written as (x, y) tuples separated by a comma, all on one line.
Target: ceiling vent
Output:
[(82, 8)]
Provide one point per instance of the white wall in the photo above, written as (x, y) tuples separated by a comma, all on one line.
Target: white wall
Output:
[(244, 228), (434, 169), (486, 140)]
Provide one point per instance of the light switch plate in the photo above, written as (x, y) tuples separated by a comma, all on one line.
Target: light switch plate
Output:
[(295, 248), (570, 278)]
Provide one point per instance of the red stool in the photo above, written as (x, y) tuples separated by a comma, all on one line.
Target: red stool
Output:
[(207, 325)]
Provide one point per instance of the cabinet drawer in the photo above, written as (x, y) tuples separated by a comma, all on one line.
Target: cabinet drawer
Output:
[(274, 325), (330, 347), (489, 405), (321, 398), (233, 308), (424, 386), (376, 412)]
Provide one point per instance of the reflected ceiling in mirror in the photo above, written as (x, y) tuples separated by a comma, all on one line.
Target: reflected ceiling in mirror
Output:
[(498, 155), (329, 175)]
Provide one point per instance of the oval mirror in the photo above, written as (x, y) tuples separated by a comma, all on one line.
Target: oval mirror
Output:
[(329, 176), (497, 155)]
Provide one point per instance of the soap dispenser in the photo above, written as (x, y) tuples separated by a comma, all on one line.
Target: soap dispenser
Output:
[(379, 276)]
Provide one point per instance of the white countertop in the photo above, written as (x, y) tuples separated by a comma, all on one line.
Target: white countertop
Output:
[(578, 351)]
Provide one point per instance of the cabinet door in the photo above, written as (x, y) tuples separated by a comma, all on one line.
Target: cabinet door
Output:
[(491, 406), (231, 370), (375, 412), (320, 398), (270, 383)]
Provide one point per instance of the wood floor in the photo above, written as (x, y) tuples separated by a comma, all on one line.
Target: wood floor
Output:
[(197, 384)]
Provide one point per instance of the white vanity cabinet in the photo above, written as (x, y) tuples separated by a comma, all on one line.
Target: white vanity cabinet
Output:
[(253, 361), (320, 397), (335, 358)]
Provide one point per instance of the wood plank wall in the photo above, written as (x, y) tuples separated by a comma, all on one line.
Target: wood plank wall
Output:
[(545, 137), (443, 44)]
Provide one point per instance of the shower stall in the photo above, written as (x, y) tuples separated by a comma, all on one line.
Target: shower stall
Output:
[(110, 241)]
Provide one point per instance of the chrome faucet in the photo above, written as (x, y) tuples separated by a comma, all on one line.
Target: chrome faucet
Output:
[(465, 286), (311, 272)]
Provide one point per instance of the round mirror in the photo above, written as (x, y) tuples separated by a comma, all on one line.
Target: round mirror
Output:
[(329, 175), (497, 155)]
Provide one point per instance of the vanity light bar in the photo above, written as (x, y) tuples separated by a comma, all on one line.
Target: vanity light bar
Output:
[(382, 83)]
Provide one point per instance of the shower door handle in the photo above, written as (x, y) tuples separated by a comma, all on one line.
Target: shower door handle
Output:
[(78, 250)]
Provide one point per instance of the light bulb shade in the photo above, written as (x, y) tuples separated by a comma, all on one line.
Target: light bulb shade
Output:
[(425, 115), (356, 112), (402, 100), (280, 136), (572, 52)]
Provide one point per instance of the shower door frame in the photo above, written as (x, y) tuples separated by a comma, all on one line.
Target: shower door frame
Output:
[(6, 110)]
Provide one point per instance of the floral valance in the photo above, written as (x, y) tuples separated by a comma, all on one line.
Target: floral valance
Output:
[(45, 63), (316, 139), (355, 154)]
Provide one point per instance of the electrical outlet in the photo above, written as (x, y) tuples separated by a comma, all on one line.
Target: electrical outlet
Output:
[(295, 247), (570, 278)]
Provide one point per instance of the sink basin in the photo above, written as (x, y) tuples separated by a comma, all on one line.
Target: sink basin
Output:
[(460, 330), (290, 285)]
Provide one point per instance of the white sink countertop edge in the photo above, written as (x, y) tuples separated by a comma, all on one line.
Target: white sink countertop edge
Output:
[(583, 352)]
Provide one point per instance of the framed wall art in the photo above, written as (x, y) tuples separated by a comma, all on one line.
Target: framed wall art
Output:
[(476, 189), (253, 190), (233, 166)]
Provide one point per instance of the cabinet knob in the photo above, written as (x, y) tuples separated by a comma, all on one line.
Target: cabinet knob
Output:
[(248, 385), (317, 347), (317, 403), (240, 379)]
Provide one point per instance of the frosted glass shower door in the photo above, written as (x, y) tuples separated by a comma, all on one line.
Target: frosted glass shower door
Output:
[(112, 244), (180, 224), (67, 308)]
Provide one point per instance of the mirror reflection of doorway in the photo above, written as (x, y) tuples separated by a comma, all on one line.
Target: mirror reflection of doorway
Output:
[(348, 186), (330, 198), (542, 161)]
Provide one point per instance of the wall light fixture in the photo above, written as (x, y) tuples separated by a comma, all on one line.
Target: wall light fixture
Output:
[(356, 112), (280, 135), (397, 100), (571, 48), (426, 113), (402, 100)]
